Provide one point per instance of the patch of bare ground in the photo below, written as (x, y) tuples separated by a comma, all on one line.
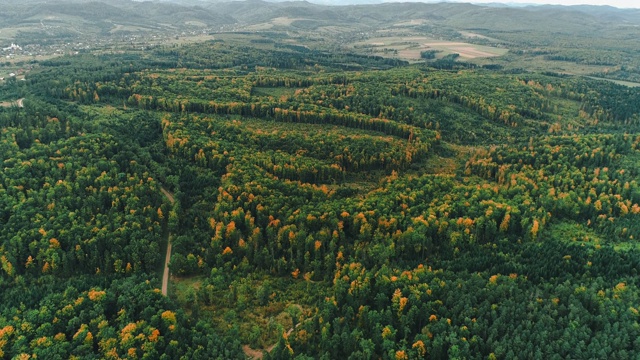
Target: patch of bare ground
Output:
[(18, 103), (252, 353), (470, 52)]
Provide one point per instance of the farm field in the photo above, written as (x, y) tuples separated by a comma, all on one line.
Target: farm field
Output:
[(410, 47), (619, 82)]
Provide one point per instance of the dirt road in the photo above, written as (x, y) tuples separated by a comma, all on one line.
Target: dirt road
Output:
[(165, 275)]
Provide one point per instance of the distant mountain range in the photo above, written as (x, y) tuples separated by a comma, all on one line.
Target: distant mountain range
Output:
[(364, 2), (68, 18)]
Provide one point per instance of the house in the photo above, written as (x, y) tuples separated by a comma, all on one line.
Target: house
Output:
[(12, 47)]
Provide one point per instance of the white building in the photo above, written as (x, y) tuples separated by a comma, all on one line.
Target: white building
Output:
[(12, 47)]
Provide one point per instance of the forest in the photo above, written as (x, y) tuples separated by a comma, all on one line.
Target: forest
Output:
[(327, 206)]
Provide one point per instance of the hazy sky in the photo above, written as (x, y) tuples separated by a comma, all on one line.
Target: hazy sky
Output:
[(616, 3)]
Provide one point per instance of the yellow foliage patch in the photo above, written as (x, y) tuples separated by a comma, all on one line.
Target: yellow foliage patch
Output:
[(95, 295)]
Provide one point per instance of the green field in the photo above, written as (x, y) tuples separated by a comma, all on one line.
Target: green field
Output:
[(619, 82)]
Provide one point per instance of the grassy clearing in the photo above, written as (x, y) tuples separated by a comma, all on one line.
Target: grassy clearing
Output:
[(573, 232), (568, 111), (627, 246), (568, 231), (259, 307), (537, 63), (127, 28), (180, 289), (259, 27), (286, 21), (188, 39), (8, 34), (619, 82), (472, 35), (444, 160)]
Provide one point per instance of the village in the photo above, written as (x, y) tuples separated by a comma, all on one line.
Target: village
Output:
[(16, 60)]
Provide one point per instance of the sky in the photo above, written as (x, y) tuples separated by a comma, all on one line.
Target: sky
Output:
[(616, 3)]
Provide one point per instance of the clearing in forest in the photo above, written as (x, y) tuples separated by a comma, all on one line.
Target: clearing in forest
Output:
[(18, 103), (409, 48)]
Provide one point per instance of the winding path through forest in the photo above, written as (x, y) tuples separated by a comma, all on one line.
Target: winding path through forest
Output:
[(165, 275)]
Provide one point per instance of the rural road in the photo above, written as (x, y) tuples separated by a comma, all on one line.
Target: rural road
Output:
[(165, 275)]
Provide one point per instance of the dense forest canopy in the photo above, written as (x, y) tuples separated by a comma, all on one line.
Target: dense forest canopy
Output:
[(327, 205)]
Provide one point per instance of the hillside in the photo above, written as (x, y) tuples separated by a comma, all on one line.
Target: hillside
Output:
[(87, 19), (538, 38)]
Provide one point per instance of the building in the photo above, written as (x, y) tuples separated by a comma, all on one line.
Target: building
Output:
[(12, 47)]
